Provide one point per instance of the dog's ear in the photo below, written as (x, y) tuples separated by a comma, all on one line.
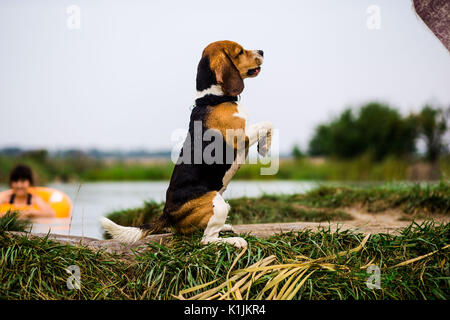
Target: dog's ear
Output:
[(205, 76), (227, 75)]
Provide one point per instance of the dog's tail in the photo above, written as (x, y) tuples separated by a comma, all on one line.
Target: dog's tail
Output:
[(131, 234)]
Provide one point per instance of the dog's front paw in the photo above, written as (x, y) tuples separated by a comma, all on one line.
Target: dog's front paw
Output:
[(236, 241), (265, 142)]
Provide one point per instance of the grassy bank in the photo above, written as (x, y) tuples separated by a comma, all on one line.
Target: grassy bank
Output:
[(320, 204), (312, 265), (36, 268)]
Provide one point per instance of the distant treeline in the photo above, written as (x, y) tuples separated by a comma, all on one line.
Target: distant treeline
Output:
[(92, 153), (380, 131)]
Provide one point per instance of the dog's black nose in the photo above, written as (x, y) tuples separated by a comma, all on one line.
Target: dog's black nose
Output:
[(261, 53)]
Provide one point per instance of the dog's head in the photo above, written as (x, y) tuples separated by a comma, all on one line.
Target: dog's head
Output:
[(227, 63)]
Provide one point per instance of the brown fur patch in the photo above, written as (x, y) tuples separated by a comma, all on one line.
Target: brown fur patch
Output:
[(221, 118), (194, 214)]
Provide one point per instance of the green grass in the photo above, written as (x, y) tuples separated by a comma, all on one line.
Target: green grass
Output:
[(36, 268), (10, 222), (428, 198), (278, 208)]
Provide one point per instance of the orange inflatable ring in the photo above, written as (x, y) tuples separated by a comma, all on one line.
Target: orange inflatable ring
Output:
[(58, 200)]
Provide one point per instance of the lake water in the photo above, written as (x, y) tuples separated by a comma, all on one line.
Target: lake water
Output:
[(93, 200)]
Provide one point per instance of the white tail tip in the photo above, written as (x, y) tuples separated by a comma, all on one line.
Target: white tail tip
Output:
[(124, 234)]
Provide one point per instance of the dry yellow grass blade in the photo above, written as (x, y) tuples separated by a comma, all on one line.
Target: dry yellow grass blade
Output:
[(368, 264), (283, 274), (238, 295), (294, 292), (404, 263), (343, 253), (277, 266), (232, 266), (241, 273), (235, 287), (328, 266), (295, 273), (304, 257), (235, 261), (288, 287), (273, 293), (248, 285), (201, 286), (213, 293)]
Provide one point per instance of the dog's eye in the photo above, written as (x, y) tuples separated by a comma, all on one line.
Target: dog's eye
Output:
[(241, 52)]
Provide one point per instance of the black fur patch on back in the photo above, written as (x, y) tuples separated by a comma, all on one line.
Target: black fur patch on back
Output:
[(189, 180)]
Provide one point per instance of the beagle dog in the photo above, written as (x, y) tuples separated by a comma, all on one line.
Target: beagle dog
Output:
[(194, 196)]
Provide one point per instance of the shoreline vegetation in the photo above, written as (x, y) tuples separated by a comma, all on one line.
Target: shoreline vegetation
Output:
[(312, 265), (363, 168)]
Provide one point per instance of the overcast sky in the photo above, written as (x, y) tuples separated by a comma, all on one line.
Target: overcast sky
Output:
[(126, 78)]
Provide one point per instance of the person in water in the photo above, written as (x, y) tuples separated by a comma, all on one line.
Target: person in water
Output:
[(20, 179)]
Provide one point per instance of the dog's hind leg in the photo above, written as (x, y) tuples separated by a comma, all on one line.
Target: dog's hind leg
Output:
[(217, 223)]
